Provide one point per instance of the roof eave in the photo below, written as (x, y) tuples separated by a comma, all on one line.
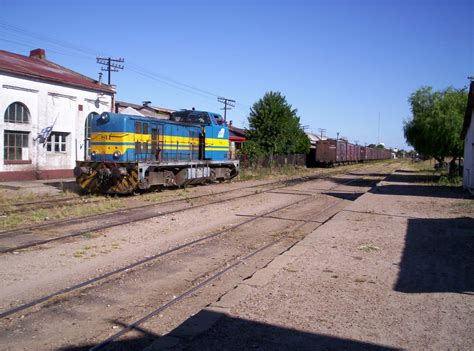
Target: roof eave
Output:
[(104, 89)]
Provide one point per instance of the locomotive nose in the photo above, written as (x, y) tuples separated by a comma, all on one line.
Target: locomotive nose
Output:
[(118, 172), (78, 171)]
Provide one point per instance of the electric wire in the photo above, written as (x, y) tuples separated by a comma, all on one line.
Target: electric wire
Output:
[(87, 53)]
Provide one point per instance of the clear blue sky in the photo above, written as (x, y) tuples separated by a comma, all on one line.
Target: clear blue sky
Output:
[(340, 63)]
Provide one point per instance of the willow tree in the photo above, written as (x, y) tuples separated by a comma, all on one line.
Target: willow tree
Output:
[(436, 124)]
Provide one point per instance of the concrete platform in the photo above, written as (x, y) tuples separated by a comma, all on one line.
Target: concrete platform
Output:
[(39, 187)]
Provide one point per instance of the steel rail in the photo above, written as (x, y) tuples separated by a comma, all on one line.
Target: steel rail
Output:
[(154, 215), (35, 302), (91, 281), (81, 218), (190, 291), (45, 204)]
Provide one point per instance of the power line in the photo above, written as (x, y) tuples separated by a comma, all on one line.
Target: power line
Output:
[(91, 53), (322, 131), (228, 104), (110, 64)]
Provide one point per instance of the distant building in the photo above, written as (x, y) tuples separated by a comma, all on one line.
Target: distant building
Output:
[(36, 93), (237, 138), (467, 135), (314, 138), (145, 109)]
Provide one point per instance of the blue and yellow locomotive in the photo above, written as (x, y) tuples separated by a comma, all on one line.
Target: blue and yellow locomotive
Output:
[(129, 153)]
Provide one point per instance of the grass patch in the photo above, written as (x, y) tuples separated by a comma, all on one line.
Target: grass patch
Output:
[(360, 280), (55, 213), (368, 247), (79, 253), (450, 181)]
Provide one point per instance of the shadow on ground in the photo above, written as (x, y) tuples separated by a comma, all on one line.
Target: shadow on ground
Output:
[(409, 185), (413, 178), (369, 174), (69, 186), (450, 192), (438, 256), (351, 196), (230, 333), (354, 182)]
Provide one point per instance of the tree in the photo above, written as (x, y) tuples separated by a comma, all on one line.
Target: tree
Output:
[(377, 146), (275, 128), (436, 123)]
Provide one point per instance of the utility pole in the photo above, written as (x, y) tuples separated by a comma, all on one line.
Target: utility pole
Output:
[(228, 104), (322, 131), (110, 64)]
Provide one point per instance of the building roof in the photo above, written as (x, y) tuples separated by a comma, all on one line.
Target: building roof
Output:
[(313, 138), (144, 109), (37, 66), (469, 111), (237, 131)]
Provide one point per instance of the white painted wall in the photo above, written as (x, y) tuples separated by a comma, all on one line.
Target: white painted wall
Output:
[(45, 101), (468, 173)]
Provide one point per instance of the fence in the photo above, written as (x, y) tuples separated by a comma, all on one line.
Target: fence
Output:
[(295, 160)]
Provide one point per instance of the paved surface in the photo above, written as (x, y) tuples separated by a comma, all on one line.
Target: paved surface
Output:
[(39, 187), (394, 270)]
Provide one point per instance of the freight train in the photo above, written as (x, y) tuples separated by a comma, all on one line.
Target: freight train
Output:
[(332, 152), (131, 153)]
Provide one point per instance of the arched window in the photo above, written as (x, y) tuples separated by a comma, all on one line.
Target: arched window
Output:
[(87, 135), (17, 113)]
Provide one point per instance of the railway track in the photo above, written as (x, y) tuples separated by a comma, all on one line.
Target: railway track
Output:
[(127, 268), (228, 267), (27, 237), (47, 203), (208, 280), (329, 174)]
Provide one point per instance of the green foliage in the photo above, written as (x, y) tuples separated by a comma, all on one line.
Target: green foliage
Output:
[(379, 146), (252, 150), (437, 122), (274, 127)]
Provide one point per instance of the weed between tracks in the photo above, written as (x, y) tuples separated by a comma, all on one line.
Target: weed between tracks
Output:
[(55, 213)]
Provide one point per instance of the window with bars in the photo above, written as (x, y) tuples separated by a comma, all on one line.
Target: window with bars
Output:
[(17, 113), (15, 146), (57, 142)]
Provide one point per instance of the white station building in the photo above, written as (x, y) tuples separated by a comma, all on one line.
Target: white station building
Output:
[(35, 94)]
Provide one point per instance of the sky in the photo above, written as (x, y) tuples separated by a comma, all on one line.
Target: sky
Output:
[(344, 65)]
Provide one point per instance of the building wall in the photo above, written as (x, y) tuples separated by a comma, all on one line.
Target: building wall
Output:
[(468, 173), (45, 103)]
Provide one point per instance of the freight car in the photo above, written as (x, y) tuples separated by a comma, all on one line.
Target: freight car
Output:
[(130, 153), (332, 152)]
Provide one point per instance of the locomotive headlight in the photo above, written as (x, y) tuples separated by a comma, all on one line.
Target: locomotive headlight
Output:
[(93, 154), (117, 154)]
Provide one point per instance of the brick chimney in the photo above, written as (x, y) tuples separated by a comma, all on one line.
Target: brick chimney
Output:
[(38, 53)]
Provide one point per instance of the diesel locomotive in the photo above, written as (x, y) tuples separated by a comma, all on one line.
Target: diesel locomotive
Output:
[(129, 153)]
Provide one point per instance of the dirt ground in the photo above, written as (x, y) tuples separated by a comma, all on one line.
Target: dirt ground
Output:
[(394, 270), (391, 269), (90, 315)]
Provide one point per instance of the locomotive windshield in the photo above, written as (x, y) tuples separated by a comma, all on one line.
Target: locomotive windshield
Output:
[(190, 116)]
